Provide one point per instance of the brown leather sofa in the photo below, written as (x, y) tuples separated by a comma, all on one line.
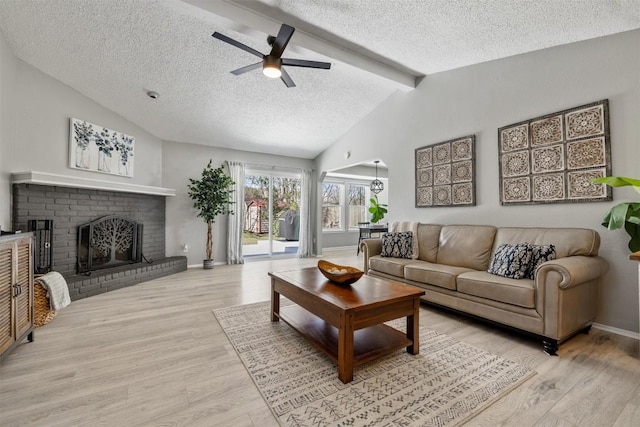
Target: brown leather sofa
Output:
[(452, 263)]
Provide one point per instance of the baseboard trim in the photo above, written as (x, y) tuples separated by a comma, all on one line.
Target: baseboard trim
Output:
[(200, 265), (617, 331), (341, 248)]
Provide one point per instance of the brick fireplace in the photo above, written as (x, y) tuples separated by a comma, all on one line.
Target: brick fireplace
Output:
[(70, 208)]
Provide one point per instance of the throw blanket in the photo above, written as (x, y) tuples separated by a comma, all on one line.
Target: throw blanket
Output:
[(398, 226), (57, 290)]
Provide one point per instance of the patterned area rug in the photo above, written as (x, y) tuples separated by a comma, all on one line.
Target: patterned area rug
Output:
[(445, 385)]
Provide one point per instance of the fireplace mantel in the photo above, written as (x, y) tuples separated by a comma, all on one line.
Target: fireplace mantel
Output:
[(52, 179)]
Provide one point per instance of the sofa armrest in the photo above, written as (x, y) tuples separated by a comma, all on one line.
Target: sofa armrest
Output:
[(369, 248), (567, 294), (575, 270)]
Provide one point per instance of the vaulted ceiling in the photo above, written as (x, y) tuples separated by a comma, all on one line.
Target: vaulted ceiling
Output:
[(115, 51)]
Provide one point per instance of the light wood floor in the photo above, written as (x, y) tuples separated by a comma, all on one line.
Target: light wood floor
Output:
[(154, 355)]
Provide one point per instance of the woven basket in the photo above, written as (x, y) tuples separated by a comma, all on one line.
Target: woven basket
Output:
[(42, 313)]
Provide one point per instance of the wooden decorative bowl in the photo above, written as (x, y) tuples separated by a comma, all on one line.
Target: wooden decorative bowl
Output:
[(341, 274)]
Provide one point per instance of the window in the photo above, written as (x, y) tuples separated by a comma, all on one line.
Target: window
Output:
[(272, 214), (332, 201), (344, 205), (357, 207)]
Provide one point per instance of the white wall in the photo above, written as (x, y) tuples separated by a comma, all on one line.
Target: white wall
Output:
[(43, 107), (34, 136), (183, 161), (8, 63), (35, 130), (478, 100)]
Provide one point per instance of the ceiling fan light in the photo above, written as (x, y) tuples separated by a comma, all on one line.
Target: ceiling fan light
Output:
[(271, 67), (272, 71)]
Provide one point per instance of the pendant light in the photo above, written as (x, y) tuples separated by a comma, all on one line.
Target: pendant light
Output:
[(376, 185)]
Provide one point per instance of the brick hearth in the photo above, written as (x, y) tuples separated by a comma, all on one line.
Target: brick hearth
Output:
[(71, 207)]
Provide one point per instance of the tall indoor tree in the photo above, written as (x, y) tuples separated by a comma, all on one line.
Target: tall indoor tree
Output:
[(211, 195)]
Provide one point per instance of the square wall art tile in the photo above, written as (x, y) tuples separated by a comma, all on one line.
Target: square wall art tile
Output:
[(445, 173), (552, 159)]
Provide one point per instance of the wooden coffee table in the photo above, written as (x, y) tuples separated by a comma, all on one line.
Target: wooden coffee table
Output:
[(346, 322)]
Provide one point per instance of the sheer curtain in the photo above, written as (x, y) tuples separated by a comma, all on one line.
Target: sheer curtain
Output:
[(305, 241), (236, 220)]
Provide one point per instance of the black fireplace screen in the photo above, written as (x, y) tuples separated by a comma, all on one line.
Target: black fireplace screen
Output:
[(107, 242)]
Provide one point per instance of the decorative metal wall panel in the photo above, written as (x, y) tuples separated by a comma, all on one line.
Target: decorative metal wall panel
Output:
[(445, 173), (552, 159)]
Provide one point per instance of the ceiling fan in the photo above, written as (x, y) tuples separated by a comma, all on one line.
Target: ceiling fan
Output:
[(272, 63)]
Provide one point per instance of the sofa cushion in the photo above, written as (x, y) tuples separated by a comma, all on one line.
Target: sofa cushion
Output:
[(466, 246), (568, 241), (397, 245), (511, 261), (393, 266), (440, 275), (540, 254), (497, 288), (428, 237), (398, 226)]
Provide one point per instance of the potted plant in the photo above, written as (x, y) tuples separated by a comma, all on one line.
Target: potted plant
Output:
[(211, 196), (377, 210), (626, 214)]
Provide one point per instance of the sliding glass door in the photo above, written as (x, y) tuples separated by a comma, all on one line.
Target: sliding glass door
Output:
[(272, 214)]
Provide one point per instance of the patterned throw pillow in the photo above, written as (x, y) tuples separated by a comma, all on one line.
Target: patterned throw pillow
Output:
[(511, 261), (540, 254), (397, 245)]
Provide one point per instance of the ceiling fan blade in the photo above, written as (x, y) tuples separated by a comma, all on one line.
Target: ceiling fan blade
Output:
[(286, 78), (303, 63), (247, 68), (284, 35), (237, 44)]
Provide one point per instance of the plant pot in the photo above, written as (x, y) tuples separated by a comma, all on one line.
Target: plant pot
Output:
[(207, 264)]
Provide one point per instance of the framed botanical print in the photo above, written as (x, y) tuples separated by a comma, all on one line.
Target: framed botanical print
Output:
[(98, 149)]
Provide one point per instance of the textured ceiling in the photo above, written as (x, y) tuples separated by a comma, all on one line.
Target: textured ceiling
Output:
[(114, 51)]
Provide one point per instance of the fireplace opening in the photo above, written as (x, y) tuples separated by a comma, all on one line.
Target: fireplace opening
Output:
[(107, 242)]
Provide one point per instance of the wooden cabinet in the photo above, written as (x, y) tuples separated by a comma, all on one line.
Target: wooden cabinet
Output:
[(16, 291)]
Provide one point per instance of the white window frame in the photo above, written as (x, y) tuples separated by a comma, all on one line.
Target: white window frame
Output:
[(367, 196), (340, 205), (344, 207), (271, 173)]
